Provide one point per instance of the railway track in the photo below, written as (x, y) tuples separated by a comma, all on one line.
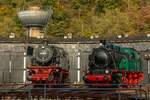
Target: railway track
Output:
[(80, 91)]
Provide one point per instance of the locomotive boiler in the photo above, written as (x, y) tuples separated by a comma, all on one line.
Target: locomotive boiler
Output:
[(111, 64), (49, 65)]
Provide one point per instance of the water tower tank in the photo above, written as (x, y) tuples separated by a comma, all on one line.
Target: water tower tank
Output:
[(34, 19)]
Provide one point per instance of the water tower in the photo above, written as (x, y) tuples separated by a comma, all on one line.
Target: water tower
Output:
[(34, 19)]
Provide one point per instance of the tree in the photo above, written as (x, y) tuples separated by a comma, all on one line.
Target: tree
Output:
[(82, 17)]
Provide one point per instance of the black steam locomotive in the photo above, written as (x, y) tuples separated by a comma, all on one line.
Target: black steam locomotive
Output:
[(49, 65)]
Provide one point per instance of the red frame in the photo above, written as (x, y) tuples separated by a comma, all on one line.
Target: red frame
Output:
[(99, 78), (128, 77), (42, 73)]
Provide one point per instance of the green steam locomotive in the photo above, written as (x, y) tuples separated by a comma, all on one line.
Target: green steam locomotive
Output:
[(110, 64)]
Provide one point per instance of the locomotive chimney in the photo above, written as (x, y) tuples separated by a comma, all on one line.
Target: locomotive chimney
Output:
[(103, 42), (34, 19)]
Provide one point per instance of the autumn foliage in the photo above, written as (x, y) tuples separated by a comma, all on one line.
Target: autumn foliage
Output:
[(82, 17)]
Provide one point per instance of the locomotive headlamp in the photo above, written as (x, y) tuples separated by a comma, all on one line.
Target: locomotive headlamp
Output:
[(57, 70), (27, 70), (101, 44), (43, 47), (106, 71)]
